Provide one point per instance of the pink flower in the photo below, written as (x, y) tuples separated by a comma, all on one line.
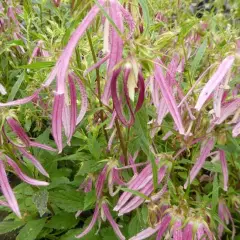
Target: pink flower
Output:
[(225, 216), (144, 184), (106, 214), (222, 157), (168, 97)]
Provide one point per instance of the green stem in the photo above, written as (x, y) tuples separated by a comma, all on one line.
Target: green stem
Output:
[(120, 136), (98, 83)]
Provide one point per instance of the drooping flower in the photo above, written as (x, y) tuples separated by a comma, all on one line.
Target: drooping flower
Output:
[(225, 216), (222, 157), (143, 183), (103, 207)]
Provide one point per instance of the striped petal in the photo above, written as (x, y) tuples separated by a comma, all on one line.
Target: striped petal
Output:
[(7, 190), (223, 161), (205, 151), (112, 221), (34, 161), (169, 98), (214, 81), (24, 177), (57, 120)]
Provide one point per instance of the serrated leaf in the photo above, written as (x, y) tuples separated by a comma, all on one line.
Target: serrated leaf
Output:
[(90, 167), (40, 200), (8, 226), (89, 200), (31, 229), (70, 200), (134, 226), (62, 221), (212, 167)]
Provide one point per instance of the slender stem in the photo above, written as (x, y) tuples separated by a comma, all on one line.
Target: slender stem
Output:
[(98, 82), (120, 136)]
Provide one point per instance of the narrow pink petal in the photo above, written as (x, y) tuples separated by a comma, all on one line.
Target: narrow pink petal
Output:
[(133, 185), (228, 110), (129, 19), (147, 190), (236, 130), (116, 47), (66, 119), (91, 224), (7, 190), (34, 161), (200, 232), (64, 59), (111, 140), (42, 146), (205, 151), (163, 227), (100, 181), (84, 100), (35, 51), (188, 232), (116, 101), (214, 81), (134, 168), (96, 65), (169, 98), (21, 101), (146, 233), (18, 130), (73, 108), (3, 203), (110, 126), (224, 169), (162, 111), (141, 86), (177, 231), (112, 222), (24, 177), (217, 101), (57, 120)]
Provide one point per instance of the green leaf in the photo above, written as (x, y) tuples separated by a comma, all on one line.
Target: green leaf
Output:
[(198, 57), (89, 200), (212, 167), (136, 193), (8, 226), (40, 200), (70, 200), (90, 167), (62, 221), (140, 127), (134, 226), (215, 193), (37, 65), (31, 229), (16, 87), (146, 14)]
